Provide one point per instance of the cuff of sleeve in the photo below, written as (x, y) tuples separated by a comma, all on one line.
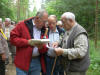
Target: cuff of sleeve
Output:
[(65, 52), (43, 50), (26, 42)]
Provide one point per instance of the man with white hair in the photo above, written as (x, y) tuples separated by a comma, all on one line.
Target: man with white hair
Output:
[(75, 47), (7, 30)]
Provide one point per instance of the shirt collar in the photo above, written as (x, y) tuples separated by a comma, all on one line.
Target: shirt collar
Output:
[(33, 22), (69, 32), (55, 31)]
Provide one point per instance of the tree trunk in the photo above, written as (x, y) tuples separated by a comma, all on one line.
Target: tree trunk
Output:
[(96, 24), (18, 10)]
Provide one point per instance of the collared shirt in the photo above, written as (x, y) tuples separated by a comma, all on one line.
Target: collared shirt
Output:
[(54, 37), (36, 34), (80, 46)]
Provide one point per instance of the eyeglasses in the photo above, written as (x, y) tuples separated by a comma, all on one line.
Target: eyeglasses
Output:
[(41, 20), (64, 21), (52, 23)]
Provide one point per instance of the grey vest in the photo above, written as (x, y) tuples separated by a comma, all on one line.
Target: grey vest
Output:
[(77, 65)]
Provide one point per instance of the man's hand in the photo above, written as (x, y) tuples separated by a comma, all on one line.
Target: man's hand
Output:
[(40, 46), (55, 44), (3, 57), (30, 42), (59, 51)]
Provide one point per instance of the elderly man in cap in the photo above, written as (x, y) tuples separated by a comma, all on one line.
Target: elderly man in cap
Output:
[(60, 25), (4, 51), (7, 30), (75, 46)]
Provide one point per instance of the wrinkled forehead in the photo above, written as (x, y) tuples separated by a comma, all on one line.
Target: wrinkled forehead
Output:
[(51, 19), (63, 18)]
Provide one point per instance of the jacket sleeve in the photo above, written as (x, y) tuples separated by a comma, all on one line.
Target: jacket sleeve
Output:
[(80, 48), (15, 37), (43, 50)]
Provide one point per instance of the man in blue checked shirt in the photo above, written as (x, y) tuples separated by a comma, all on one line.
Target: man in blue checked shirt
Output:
[(54, 34)]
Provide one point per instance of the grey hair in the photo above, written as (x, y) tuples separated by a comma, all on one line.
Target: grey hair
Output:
[(41, 12), (69, 15), (54, 16)]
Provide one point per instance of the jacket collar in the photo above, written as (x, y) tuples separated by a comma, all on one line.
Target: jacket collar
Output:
[(29, 25)]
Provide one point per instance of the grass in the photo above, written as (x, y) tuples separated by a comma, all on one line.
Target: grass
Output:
[(94, 68)]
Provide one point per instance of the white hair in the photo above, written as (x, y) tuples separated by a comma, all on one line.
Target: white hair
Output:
[(0, 19), (8, 19), (69, 15)]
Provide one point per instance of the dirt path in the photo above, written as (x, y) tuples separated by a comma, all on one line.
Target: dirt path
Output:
[(10, 68)]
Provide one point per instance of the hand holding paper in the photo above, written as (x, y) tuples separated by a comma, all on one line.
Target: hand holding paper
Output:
[(35, 43), (30, 42), (55, 44)]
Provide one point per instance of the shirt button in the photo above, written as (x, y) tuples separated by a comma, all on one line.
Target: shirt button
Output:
[(67, 33), (64, 41)]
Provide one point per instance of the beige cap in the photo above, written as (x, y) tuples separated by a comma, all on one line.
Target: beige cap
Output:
[(8, 19), (0, 19), (59, 23)]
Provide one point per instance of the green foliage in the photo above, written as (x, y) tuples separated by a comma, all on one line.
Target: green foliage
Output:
[(10, 9), (4, 10), (94, 68), (23, 9), (83, 9)]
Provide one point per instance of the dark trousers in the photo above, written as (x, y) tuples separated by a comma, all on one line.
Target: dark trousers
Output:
[(58, 70), (2, 67), (49, 66), (61, 68)]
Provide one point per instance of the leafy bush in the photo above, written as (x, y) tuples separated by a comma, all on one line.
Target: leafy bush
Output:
[(94, 68)]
